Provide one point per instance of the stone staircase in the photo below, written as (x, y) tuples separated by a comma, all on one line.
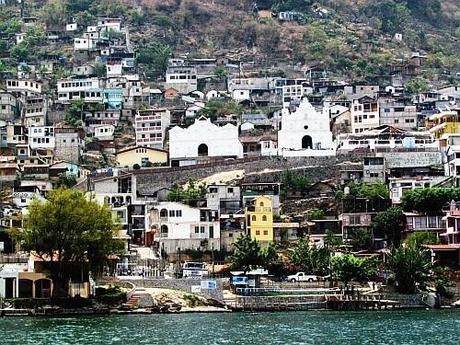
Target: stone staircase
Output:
[(133, 298)]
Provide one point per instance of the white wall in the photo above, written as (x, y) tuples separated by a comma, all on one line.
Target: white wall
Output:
[(221, 141), (305, 121)]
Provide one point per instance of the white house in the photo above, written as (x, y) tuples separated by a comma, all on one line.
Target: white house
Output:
[(108, 23), (212, 94), (114, 68), (71, 27), (27, 86), (41, 138), (204, 139), (175, 225), (69, 89), (182, 78), (193, 110), (84, 44), (241, 95), (104, 132), (305, 132), (364, 114), (20, 37)]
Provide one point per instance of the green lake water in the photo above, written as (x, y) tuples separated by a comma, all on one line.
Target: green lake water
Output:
[(315, 327)]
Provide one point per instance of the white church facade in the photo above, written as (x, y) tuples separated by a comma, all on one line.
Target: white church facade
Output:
[(203, 140), (305, 132)]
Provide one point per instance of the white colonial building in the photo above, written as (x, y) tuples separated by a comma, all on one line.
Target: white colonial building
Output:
[(305, 132), (204, 139)]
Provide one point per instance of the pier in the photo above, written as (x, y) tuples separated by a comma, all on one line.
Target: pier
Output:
[(363, 303)]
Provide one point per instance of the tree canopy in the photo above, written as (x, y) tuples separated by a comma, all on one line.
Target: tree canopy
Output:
[(246, 255), (348, 267), (308, 258), (429, 200), (67, 230), (411, 267), (420, 238), (390, 223)]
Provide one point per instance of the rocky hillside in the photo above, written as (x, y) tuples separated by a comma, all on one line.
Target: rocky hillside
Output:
[(352, 38)]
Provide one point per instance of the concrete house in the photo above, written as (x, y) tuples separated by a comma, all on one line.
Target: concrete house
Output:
[(174, 226), (364, 114), (151, 127), (141, 155)]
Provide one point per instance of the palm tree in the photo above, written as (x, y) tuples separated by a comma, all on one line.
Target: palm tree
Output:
[(411, 266)]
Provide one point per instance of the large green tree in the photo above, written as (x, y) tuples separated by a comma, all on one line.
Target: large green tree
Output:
[(421, 238), (348, 267), (246, 255), (68, 231), (429, 200), (309, 258), (391, 223)]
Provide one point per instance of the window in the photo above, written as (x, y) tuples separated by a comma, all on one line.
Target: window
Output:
[(432, 222), (197, 229), (254, 218), (201, 229), (213, 190), (264, 218), (257, 233), (164, 231), (229, 190), (211, 231), (172, 213), (355, 220), (420, 223), (179, 213), (261, 204), (265, 232)]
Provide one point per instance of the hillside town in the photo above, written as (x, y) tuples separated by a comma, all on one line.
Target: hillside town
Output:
[(215, 150)]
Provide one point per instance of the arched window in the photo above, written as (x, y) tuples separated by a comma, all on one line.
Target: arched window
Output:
[(202, 150), (164, 213), (164, 231), (307, 142), (261, 204), (254, 218), (264, 218)]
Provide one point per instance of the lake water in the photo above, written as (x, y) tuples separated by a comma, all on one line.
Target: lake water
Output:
[(315, 327)]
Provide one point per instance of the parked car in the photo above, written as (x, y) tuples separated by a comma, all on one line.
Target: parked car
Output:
[(302, 277)]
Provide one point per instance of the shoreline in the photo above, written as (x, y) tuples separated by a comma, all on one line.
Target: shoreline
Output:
[(4, 313)]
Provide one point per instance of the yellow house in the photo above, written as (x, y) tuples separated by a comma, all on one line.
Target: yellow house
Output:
[(259, 219), (141, 155)]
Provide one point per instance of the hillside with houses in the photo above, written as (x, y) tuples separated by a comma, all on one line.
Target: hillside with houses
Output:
[(197, 124)]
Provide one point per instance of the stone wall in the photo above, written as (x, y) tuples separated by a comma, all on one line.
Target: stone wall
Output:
[(265, 169), (184, 285)]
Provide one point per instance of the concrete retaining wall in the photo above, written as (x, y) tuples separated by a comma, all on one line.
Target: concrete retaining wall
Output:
[(184, 285), (317, 168)]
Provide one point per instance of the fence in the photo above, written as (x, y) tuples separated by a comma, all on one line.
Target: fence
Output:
[(14, 259)]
